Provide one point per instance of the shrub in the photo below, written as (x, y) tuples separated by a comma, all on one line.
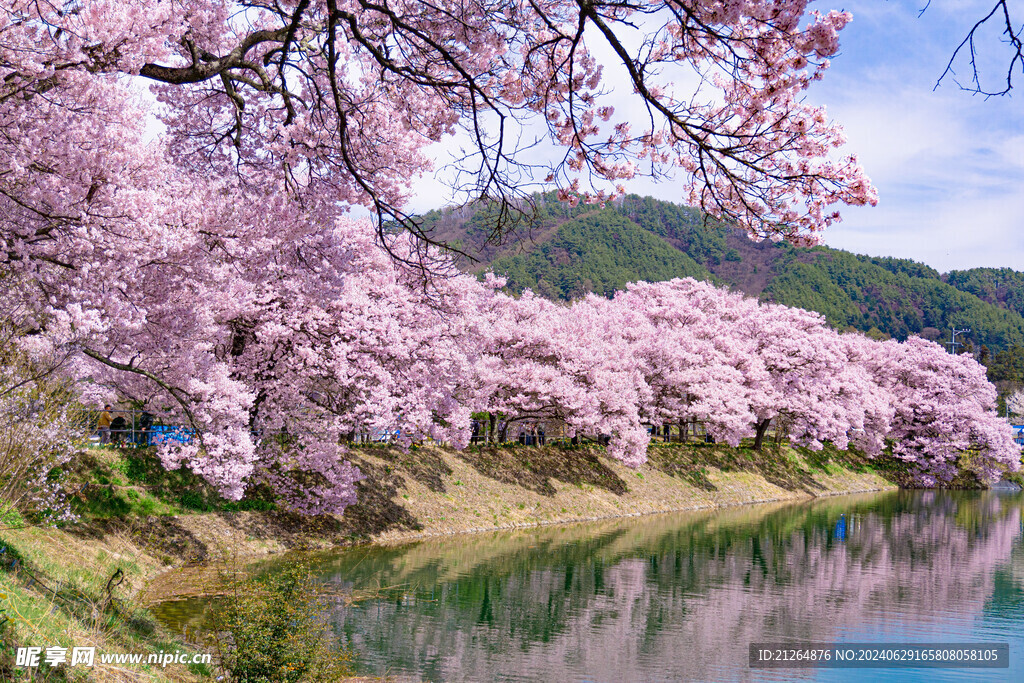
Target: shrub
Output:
[(40, 425), (274, 628)]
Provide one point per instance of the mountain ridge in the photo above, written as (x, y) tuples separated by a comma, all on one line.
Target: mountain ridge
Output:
[(563, 252)]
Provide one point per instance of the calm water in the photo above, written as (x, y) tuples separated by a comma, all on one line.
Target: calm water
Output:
[(680, 597)]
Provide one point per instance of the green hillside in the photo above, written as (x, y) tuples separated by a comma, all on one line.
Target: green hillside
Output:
[(1000, 286), (853, 291), (598, 252), (564, 252)]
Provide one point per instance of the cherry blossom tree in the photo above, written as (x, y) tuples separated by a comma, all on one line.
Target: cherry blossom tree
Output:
[(39, 423), (543, 361), (333, 102), (1015, 403), (803, 379), (208, 267), (686, 345), (872, 393), (944, 412), (328, 337)]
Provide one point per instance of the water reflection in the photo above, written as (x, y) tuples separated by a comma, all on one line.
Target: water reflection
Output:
[(680, 597)]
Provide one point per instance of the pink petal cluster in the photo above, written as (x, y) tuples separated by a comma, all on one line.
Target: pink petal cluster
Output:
[(333, 101), (685, 351)]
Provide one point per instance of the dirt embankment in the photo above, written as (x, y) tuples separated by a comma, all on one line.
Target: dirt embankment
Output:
[(432, 491)]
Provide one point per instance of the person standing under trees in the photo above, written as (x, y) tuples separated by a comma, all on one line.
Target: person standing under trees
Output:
[(145, 425), (118, 427), (103, 425)]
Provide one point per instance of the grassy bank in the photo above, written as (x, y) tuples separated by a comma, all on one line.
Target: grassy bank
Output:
[(433, 491), (86, 584), (69, 589)]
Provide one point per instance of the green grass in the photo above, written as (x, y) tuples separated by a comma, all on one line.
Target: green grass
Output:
[(787, 466), (54, 592), (54, 582), (132, 483)]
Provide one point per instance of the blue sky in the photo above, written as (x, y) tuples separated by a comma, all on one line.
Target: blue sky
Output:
[(949, 165)]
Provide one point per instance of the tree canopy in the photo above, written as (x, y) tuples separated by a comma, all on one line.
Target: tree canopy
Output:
[(202, 260), (333, 102)]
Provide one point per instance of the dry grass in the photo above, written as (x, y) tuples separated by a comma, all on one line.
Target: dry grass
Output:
[(514, 487), (56, 594)]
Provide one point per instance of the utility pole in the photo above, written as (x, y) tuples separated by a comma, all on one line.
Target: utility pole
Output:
[(954, 343)]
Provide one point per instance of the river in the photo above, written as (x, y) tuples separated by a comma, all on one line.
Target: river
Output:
[(682, 596)]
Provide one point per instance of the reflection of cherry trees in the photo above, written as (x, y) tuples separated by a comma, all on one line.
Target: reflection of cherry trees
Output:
[(684, 601)]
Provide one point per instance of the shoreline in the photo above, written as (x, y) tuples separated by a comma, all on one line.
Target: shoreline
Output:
[(433, 491), (436, 493), (423, 535), (143, 546), (204, 579)]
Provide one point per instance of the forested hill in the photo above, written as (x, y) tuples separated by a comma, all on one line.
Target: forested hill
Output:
[(566, 252)]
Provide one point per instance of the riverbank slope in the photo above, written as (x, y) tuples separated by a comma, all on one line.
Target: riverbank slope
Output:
[(430, 491), (142, 521)]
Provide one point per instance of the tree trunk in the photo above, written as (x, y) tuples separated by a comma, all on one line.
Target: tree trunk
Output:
[(684, 431), (782, 430), (493, 420), (762, 427)]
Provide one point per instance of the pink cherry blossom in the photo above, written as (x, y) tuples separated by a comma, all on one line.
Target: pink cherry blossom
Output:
[(211, 270)]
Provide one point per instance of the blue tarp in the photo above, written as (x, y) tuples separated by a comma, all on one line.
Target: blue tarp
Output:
[(166, 434)]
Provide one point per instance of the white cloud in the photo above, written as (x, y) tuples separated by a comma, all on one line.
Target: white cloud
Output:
[(948, 165)]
